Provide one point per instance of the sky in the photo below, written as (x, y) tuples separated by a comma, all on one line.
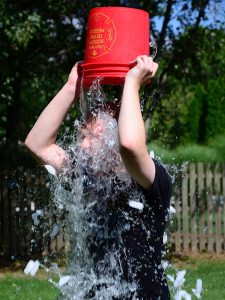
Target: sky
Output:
[(215, 11)]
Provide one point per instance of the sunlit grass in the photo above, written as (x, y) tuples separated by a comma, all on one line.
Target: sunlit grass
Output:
[(213, 152), (210, 270), (17, 286)]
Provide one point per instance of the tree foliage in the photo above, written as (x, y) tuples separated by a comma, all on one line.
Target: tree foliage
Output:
[(189, 82), (41, 40), (215, 118)]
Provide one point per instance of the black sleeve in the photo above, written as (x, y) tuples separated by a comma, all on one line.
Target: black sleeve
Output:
[(159, 193), (68, 174)]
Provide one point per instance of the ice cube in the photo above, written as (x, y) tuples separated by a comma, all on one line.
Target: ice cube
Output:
[(180, 279), (180, 295), (136, 204), (198, 290), (172, 210), (63, 280), (35, 268), (165, 238), (29, 267), (50, 169), (152, 154)]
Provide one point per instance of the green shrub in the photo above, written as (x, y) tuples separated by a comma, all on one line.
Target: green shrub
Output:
[(193, 131), (215, 119), (191, 152), (218, 143)]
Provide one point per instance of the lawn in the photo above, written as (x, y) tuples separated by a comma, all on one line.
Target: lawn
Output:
[(16, 285), (210, 270)]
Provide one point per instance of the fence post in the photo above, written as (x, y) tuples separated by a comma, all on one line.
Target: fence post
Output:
[(201, 205), (218, 192), (178, 227), (185, 210), (194, 247), (209, 177), (6, 216), (223, 196)]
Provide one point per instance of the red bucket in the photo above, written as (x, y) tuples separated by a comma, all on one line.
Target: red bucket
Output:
[(115, 36)]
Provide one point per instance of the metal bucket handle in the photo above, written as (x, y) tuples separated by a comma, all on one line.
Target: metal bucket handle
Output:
[(153, 45)]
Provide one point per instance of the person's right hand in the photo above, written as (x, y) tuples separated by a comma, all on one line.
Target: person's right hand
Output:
[(143, 71), (74, 79)]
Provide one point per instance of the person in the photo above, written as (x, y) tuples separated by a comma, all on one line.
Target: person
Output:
[(142, 247)]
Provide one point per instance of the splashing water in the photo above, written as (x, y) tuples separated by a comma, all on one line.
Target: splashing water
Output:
[(93, 189), (93, 99), (92, 192), (177, 290)]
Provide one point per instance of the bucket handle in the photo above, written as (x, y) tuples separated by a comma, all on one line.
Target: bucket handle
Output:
[(153, 55), (155, 49)]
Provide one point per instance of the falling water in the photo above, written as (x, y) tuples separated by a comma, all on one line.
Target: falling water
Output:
[(90, 194), (92, 189)]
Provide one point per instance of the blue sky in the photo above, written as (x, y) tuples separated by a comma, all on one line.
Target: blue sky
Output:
[(215, 11)]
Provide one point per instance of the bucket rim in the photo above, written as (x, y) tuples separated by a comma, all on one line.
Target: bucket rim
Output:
[(106, 64), (120, 7)]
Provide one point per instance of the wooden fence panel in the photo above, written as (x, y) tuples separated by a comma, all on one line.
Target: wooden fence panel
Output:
[(185, 212), (202, 206), (5, 243), (223, 199), (198, 200), (201, 212), (12, 196), (209, 185), (217, 192), (178, 239), (193, 208), (1, 212), (22, 192)]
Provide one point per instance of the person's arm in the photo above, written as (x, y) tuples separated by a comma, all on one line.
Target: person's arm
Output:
[(41, 139), (132, 135)]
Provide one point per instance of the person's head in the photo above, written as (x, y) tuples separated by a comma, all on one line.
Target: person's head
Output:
[(92, 132), (98, 140), (99, 126)]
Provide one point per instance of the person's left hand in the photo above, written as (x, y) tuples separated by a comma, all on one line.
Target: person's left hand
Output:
[(143, 72)]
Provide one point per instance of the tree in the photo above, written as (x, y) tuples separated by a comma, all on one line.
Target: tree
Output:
[(40, 41), (200, 60), (215, 118)]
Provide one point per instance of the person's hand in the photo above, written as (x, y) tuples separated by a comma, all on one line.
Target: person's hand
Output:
[(74, 78), (144, 70)]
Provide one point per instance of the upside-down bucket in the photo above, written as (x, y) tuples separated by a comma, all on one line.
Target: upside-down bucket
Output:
[(115, 37)]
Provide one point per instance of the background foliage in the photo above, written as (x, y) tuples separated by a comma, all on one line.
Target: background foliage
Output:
[(41, 40)]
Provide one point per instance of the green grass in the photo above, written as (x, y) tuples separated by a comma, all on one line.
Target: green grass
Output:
[(213, 151), (189, 153), (16, 285), (210, 270)]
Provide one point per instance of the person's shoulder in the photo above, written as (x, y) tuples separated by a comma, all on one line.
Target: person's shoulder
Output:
[(161, 189), (161, 171)]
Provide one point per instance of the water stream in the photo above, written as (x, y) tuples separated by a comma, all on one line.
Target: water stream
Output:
[(92, 193), (93, 189)]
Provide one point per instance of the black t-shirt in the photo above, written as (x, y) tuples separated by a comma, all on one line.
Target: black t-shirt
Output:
[(145, 246), (136, 235)]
